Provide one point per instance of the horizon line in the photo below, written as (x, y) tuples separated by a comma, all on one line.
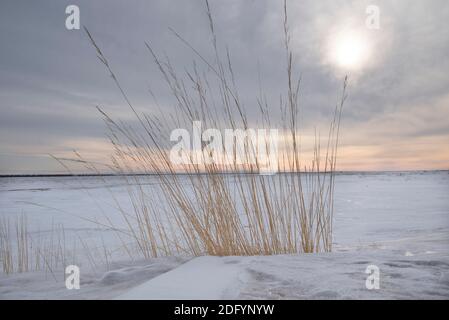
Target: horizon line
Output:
[(37, 175)]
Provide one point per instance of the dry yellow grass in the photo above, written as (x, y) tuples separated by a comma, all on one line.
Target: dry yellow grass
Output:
[(22, 252), (201, 210)]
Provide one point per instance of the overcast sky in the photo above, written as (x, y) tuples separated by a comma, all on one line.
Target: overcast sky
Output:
[(396, 116)]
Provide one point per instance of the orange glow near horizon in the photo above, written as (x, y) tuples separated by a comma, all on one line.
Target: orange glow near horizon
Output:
[(416, 154)]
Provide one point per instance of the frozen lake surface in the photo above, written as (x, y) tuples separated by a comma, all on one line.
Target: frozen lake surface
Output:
[(397, 221)]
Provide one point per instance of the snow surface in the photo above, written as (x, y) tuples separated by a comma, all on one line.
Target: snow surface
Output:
[(309, 276), (201, 278), (397, 221)]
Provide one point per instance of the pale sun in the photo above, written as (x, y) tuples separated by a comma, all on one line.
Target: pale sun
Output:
[(349, 50)]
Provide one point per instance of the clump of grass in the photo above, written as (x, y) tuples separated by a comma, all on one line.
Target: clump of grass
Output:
[(20, 251), (6, 247), (22, 235), (223, 209)]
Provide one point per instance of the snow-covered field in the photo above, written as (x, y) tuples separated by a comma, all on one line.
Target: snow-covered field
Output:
[(396, 221)]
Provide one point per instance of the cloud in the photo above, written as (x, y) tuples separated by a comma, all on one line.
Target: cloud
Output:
[(51, 81)]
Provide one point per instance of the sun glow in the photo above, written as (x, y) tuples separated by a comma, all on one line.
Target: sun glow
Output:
[(349, 50)]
